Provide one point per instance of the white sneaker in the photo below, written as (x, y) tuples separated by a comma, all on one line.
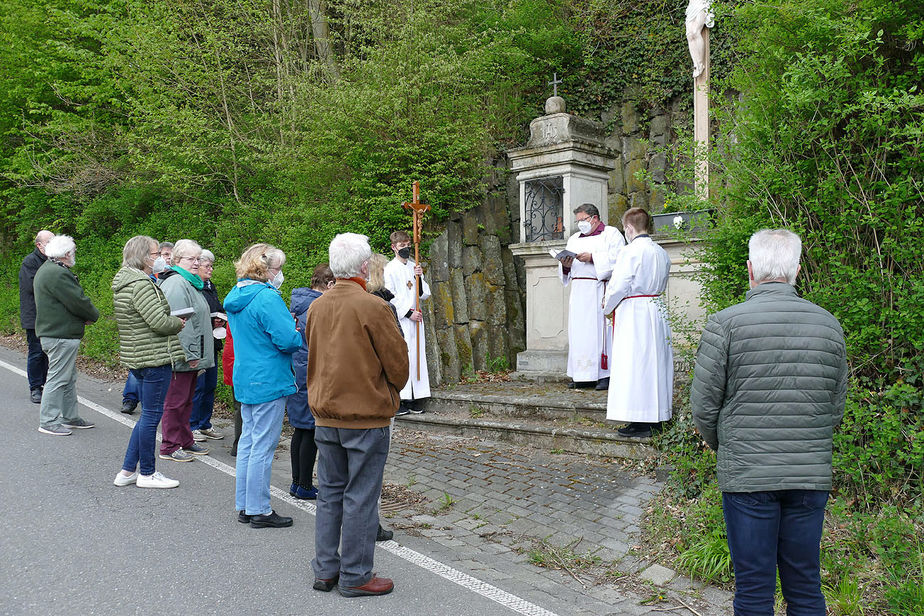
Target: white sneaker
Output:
[(157, 480), (122, 480), (198, 436)]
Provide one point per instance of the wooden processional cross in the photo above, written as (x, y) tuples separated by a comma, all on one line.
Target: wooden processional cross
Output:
[(417, 209)]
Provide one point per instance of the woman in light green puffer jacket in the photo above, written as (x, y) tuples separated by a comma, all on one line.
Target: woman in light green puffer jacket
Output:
[(148, 346)]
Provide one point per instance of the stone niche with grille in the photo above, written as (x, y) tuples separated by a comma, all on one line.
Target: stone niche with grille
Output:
[(564, 164)]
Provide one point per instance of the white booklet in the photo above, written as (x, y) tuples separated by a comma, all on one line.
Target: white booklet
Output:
[(183, 313), (562, 254)]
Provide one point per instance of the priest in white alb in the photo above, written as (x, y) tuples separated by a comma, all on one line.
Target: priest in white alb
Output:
[(401, 275), (642, 366), (589, 341)]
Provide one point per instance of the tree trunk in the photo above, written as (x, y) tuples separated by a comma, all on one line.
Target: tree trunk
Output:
[(317, 10)]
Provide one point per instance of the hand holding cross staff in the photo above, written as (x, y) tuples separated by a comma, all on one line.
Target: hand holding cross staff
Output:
[(417, 208)]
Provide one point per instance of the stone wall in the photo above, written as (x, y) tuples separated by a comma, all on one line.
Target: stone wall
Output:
[(475, 318), (637, 131)]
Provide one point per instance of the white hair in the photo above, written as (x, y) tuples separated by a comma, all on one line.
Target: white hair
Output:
[(347, 252), (207, 255), (774, 255), (185, 248), (60, 246)]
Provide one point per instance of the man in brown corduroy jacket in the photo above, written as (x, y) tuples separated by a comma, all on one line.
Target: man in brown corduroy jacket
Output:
[(357, 364)]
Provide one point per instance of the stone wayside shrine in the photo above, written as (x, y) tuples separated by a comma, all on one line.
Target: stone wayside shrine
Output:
[(564, 164)]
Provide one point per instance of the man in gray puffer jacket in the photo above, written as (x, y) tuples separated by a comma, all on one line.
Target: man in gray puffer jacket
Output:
[(769, 388)]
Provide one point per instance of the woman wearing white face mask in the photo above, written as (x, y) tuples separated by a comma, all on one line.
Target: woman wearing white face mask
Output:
[(264, 340)]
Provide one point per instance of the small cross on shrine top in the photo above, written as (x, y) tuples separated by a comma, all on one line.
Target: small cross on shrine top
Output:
[(554, 83)]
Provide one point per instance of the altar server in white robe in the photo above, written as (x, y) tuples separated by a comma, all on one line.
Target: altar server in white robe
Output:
[(642, 366), (400, 276), (589, 338)]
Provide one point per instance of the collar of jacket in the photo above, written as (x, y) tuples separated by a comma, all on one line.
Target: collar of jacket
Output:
[(771, 287), (188, 277)]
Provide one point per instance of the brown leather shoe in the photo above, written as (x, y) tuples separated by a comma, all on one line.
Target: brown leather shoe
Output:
[(375, 586)]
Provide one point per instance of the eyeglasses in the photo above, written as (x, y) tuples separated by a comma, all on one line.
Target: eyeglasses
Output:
[(207, 264), (190, 259)]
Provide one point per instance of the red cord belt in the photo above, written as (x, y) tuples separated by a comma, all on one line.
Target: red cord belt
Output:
[(634, 296)]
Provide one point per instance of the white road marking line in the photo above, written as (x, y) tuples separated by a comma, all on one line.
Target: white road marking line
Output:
[(513, 602)]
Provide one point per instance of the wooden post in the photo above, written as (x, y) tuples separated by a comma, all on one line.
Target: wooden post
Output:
[(701, 125)]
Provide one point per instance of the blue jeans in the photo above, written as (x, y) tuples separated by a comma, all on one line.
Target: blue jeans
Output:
[(262, 425), (350, 466), (204, 400), (36, 361), (132, 389), (152, 386), (766, 530)]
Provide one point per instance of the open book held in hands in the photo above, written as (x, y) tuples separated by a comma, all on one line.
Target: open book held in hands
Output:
[(561, 255), (183, 313)]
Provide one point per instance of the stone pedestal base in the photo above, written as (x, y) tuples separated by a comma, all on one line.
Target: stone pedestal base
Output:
[(542, 365)]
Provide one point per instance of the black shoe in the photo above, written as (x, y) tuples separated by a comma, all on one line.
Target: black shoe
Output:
[(402, 410), (243, 518), (270, 520), (36, 395), (581, 384), (326, 585), (128, 406), (383, 535), (603, 384), (636, 430)]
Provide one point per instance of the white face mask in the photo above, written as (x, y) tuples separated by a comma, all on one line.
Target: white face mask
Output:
[(160, 264), (278, 280), (584, 226)]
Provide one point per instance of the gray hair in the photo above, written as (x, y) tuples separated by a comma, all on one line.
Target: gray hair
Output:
[(185, 248), (163, 245), (137, 250), (348, 252), (588, 208), (207, 255), (274, 258), (774, 254), (60, 246)]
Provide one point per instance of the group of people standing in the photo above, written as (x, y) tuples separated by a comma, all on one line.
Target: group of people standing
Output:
[(619, 338), (361, 311)]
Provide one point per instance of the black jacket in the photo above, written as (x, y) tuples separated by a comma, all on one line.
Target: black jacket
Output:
[(30, 265)]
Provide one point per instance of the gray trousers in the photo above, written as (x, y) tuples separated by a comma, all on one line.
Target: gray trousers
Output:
[(59, 400), (350, 466)]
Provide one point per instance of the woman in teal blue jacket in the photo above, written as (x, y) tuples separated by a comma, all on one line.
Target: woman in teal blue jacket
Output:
[(264, 340)]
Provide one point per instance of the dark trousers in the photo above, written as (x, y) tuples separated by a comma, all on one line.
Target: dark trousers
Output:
[(350, 466), (303, 451), (174, 429), (203, 402), (36, 361), (132, 389), (152, 384), (770, 530)]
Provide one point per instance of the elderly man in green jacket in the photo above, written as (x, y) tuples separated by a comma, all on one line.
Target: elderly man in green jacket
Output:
[(769, 388), (62, 310)]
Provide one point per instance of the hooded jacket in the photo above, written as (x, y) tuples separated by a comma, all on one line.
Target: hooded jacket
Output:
[(196, 337), (147, 332), (297, 405), (264, 340)]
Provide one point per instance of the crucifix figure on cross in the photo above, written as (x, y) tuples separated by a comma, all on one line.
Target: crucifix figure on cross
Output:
[(554, 83), (417, 208)]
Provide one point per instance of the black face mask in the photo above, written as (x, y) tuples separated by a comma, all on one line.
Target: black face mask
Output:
[(405, 252)]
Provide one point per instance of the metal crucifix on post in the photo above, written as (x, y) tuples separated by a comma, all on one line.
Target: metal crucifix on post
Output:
[(417, 208), (554, 83)]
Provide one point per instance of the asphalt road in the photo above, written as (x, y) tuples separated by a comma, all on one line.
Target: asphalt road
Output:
[(72, 543)]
